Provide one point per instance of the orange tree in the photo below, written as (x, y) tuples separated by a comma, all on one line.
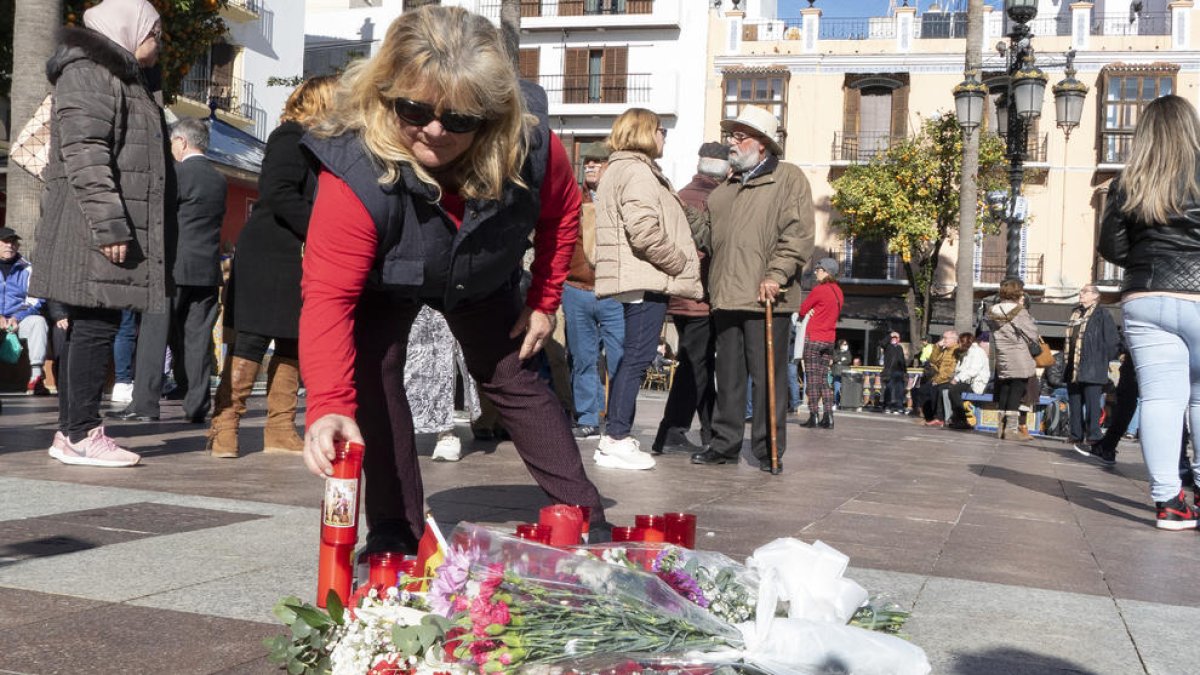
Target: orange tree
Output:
[(189, 27), (908, 198)]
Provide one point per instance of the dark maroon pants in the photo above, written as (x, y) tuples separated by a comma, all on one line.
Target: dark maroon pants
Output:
[(528, 408)]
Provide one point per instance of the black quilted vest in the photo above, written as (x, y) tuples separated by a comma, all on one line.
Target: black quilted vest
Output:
[(421, 254)]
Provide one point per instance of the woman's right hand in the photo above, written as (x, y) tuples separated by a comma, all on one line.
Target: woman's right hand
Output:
[(115, 252), (320, 439)]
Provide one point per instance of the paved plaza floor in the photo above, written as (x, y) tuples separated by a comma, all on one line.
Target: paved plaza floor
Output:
[(1014, 558)]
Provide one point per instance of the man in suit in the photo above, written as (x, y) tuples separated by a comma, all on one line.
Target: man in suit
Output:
[(187, 325)]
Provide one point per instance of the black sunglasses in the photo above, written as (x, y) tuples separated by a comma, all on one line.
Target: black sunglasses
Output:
[(419, 114)]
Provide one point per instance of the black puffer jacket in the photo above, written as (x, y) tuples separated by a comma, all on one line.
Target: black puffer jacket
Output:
[(107, 181), (1156, 256)]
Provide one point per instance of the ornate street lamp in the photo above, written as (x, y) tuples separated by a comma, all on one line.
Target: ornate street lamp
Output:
[(969, 96), (1021, 105)]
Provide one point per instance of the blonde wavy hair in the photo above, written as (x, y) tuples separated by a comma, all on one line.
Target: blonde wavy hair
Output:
[(309, 103), (634, 131), (1160, 177), (453, 60)]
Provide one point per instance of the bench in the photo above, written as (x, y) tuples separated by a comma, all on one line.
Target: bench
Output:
[(987, 419)]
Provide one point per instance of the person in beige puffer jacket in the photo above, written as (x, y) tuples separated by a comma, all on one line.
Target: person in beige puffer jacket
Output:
[(644, 253)]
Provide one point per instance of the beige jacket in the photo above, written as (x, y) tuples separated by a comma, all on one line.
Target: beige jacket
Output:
[(643, 241), (1011, 339), (760, 229)]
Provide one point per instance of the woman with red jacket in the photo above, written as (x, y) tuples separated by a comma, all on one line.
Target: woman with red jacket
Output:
[(825, 303), (436, 167)]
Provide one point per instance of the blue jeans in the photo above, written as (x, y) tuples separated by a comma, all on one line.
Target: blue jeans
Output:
[(643, 324), (589, 322), (1164, 333), (1132, 429), (124, 345)]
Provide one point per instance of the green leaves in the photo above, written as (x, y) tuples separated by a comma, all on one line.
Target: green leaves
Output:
[(305, 651)]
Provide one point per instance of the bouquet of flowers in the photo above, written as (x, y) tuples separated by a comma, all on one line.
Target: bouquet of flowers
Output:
[(516, 604), (385, 630)]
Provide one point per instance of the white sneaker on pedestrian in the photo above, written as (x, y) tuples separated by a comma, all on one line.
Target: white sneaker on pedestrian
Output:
[(622, 454), (97, 449), (122, 392), (448, 448)]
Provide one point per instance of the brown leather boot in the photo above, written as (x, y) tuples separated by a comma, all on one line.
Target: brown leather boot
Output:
[(283, 384), (237, 381), (1023, 433)]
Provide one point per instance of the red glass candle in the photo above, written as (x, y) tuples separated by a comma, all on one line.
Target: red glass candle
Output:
[(565, 523), (655, 529), (534, 532), (621, 533), (386, 567), (339, 511), (680, 529), (334, 572), (651, 535)]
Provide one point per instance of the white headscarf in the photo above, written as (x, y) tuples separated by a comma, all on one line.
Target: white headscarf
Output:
[(125, 22)]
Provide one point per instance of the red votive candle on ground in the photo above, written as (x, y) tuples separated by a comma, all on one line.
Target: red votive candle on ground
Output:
[(680, 529), (622, 533), (334, 572), (653, 527), (339, 512), (386, 567), (533, 532), (565, 523)]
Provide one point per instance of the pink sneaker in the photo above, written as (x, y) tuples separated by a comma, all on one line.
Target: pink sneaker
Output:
[(61, 446), (98, 450)]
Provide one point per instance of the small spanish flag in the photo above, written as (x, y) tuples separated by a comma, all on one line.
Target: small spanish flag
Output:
[(431, 550)]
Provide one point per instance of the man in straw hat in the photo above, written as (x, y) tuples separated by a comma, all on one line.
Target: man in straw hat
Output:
[(760, 234)]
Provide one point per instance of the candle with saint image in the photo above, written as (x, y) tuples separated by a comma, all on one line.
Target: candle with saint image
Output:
[(339, 511), (565, 523), (334, 572)]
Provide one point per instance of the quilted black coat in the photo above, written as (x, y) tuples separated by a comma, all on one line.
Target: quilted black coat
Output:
[(107, 182)]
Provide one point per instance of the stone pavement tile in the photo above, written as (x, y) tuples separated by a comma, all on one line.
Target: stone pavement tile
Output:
[(879, 531), (943, 508), (119, 639), (1164, 635), (971, 627), (260, 666), (1021, 552), (19, 607), (1147, 564), (913, 560), (150, 518), (32, 538), (247, 596)]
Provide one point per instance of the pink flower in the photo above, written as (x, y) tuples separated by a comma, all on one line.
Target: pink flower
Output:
[(500, 613), (506, 659)]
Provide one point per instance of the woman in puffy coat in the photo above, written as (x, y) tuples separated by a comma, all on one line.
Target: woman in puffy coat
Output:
[(1013, 331), (1151, 227), (103, 233), (644, 253), (825, 303)]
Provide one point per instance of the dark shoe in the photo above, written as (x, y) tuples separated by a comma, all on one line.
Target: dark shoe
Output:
[(1106, 456), (673, 438), (585, 431), (811, 423), (711, 456), (1083, 448), (765, 465), (130, 415), (483, 434), (826, 421), (1176, 514)]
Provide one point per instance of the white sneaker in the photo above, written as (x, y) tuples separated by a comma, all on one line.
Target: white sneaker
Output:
[(448, 448), (122, 392), (60, 447), (97, 450), (622, 454)]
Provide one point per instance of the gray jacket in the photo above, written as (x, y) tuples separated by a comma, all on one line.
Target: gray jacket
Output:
[(107, 182), (1011, 340)]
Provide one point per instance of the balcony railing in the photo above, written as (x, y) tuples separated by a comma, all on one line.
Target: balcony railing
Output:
[(235, 97), (1139, 24), (1108, 274), (1114, 146), (857, 28), (869, 265), (943, 25), (248, 5), (861, 147), (597, 88), (994, 268), (1037, 146), (538, 8)]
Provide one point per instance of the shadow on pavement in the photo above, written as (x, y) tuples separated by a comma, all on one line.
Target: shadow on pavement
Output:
[(1072, 491), (1015, 662)]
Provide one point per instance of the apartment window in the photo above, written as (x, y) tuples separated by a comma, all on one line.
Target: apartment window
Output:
[(529, 63), (596, 75), (590, 7), (764, 89), (874, 115), (1126, 90)]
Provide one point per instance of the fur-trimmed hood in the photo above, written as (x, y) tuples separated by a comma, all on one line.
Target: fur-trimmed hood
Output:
[(75, 44)]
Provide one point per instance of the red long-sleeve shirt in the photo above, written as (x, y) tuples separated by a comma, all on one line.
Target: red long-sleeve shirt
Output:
[(340, 251), (827, 300)]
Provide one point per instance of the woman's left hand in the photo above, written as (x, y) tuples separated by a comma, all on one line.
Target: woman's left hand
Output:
[(537, 327)]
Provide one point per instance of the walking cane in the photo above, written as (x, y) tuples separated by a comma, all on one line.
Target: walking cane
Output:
[(771, 392)]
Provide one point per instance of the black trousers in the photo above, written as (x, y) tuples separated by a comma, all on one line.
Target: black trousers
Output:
[(528, 408), (741, 344), (693, 391), (1085, 401), (1007, 393), (83, 368), (253, 347), (187, 328), (957, 412), (1124, 406)]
